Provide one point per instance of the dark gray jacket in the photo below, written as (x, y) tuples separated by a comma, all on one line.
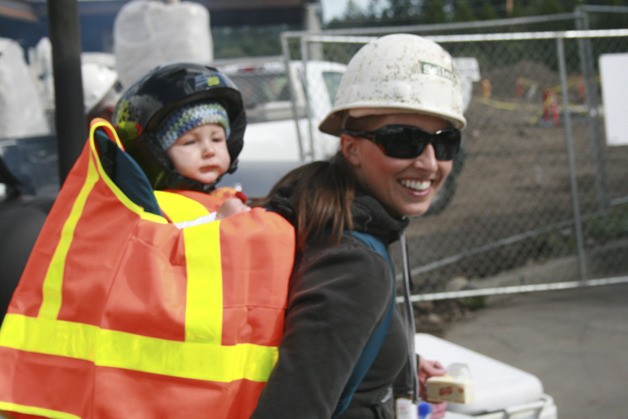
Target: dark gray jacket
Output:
[(338, 296)]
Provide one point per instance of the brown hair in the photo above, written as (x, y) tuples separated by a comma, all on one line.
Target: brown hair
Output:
[(320, 197)]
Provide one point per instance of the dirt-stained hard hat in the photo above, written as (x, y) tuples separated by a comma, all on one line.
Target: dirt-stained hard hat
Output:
[(398, 72)]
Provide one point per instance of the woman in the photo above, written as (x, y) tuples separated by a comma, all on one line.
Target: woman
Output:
[(398, 113)]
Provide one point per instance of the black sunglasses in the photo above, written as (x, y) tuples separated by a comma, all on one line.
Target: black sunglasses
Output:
[(408, 142)]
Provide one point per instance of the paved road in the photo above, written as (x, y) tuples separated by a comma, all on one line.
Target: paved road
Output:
[(575, 341)]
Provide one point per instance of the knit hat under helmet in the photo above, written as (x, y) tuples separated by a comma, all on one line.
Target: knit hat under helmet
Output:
[(190, 117)]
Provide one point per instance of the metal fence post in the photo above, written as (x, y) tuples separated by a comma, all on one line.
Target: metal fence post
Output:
[(560, 46), (305, 58), (593, 102), (285, 47)]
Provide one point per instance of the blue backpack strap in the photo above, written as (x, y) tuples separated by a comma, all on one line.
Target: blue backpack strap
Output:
[(376, 340)]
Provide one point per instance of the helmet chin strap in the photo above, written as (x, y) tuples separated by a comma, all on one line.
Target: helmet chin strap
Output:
[(232, 168)]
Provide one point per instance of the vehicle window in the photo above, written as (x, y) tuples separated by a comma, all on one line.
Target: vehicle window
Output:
[(332, 80), (257, 89)]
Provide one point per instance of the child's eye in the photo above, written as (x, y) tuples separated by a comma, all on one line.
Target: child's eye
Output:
[(189, 141)]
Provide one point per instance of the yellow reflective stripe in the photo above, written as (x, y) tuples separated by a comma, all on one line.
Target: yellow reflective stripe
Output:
[(103, 123), (37, 411), (51, 299), (203, 308), (108, 348), (180, 208)]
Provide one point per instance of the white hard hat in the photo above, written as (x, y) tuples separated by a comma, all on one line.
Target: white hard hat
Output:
[(98, 79), (400, 73)]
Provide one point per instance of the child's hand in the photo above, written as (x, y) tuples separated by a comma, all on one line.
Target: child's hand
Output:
[(231, 206)]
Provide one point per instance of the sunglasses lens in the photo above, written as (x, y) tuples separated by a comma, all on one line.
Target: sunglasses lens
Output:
[(399, 142), (446, 144), (405, 142)]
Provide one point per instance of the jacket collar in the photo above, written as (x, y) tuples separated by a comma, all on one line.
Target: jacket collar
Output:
[(370, 217)]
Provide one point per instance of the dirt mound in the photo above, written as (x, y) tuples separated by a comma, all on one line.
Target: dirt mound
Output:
[(504, 79)]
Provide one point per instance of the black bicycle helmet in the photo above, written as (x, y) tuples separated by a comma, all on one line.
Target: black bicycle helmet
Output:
[(149, 102)]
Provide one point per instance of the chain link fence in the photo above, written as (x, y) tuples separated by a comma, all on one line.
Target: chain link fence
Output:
[(539, 201)]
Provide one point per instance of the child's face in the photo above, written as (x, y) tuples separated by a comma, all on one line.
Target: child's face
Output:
[(201, 153)]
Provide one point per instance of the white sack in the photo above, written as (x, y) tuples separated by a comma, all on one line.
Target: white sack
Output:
[(151, 33), (21, 111)]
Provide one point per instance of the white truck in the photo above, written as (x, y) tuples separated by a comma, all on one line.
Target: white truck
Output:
[(282, 130), (281, 119)]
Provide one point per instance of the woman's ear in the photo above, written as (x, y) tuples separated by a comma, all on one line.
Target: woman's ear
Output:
[(350, 149)]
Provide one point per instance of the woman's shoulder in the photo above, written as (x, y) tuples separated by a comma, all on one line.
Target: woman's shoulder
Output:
[(350, 263), (349, 246)]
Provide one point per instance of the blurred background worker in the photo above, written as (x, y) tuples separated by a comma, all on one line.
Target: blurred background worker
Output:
[(101, 90)]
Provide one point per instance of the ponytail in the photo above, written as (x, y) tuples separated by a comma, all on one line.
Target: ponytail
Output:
[(319, 197)]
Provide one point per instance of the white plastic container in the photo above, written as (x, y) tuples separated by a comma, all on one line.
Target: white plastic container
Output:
[(152, 33), (500, 390)]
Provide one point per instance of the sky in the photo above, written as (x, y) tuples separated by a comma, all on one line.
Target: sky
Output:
[(336, 8)]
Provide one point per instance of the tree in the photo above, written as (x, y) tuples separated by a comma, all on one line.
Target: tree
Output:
[(462, 12), (433, 11), (373, 9), (547, 7), (353, 11), (487, 11), (402, 10)]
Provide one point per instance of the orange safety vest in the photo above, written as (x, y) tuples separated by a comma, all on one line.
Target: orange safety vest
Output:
[(120, 314)]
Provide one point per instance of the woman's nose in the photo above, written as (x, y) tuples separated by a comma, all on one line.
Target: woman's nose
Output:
[(427, 159)]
